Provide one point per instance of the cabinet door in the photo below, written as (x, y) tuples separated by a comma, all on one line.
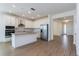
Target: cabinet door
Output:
[(10, 21)]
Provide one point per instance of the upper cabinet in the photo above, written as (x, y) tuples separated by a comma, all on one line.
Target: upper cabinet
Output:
[(28, 24), (15, 21), (9, 20)]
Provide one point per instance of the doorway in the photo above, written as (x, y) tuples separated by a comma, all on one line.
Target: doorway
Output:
[(63, 33)]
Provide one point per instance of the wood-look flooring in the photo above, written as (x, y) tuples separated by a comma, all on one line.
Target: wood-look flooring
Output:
[(40, 48)]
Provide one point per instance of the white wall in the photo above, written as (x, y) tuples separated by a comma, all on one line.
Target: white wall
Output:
[(70, 28), (2, 28), (58, 28), (77, 30), (37, 23), (50, 28)]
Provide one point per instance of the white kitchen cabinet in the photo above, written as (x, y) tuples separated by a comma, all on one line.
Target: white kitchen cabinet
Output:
[(23, 39), (9, 21), (14, 21)]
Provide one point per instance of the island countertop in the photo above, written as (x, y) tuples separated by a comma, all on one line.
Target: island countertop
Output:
[(23, 38), (24, 33)]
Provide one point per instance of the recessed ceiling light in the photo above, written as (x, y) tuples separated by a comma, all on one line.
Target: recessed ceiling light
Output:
[(38, 15), (29, 12), (10, 11), (13, 6), (23, 15), (64, 17), (32, 17)]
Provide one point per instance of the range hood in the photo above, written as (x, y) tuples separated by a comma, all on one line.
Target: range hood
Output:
[(21, 24)]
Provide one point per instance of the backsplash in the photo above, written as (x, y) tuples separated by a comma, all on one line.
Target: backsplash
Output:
[(23, 30), (27, 29)]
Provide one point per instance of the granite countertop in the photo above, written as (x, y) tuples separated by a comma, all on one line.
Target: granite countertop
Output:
[(24, 33)]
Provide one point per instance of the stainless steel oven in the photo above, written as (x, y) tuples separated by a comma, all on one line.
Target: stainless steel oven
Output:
[(9, 30)]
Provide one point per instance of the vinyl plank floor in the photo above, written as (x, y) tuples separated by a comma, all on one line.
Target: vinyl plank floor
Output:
[(40, 48)]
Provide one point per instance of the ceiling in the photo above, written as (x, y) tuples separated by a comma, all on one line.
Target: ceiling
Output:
[(41, 9)]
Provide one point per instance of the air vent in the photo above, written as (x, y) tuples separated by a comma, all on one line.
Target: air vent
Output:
[(33, 9)]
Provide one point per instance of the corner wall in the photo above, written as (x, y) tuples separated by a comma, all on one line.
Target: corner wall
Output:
[(57, 28), (37, 23), (2, 28), (77, 30)]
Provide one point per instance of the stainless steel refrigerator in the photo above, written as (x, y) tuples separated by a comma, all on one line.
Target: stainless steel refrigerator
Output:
[(44, 31)]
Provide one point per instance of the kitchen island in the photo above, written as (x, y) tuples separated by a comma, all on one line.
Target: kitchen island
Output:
[(22, 38)]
